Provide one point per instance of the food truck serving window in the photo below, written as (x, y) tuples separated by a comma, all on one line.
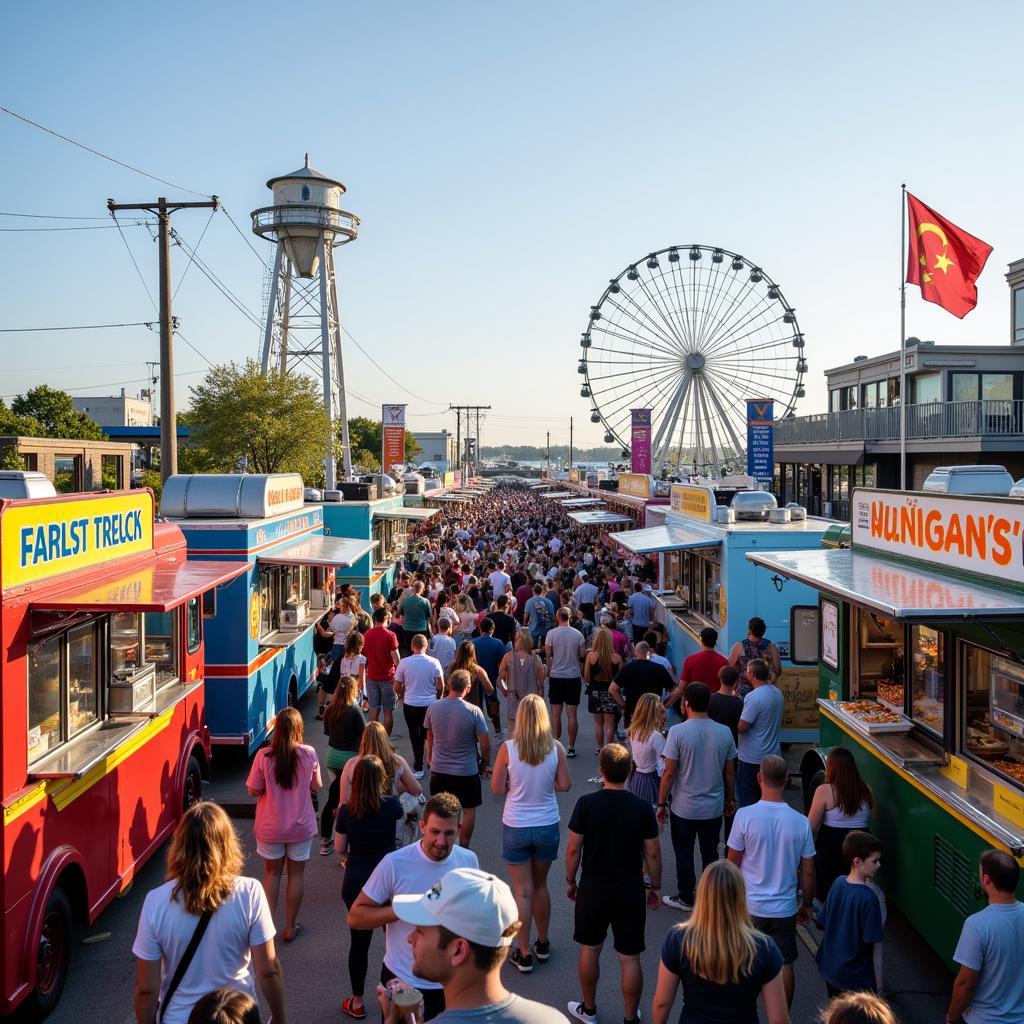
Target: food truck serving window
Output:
[(994, 717), (63, 688), (927, 693), (285, 589), (878, 673), (696, 577)]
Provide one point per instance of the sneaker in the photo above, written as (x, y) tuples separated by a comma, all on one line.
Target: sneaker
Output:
[(523, 962), (677, 903), (635, 1020), (418, 775), (580, 1012), (571, 752), (542, 950), (326, 847), (422, 798)]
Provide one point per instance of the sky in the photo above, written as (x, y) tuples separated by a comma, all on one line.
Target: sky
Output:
[(506, 159)]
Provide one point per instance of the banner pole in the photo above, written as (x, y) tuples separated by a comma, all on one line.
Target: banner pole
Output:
[(903, 337)]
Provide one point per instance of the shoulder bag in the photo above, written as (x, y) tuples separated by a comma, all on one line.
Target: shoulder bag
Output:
[(183, 963)]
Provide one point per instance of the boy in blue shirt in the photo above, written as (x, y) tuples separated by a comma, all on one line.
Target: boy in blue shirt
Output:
[(850, 954)]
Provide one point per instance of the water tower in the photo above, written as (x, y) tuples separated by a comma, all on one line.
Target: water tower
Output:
[(303, 325)]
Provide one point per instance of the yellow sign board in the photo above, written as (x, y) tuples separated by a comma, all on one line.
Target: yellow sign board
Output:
[(636, 485), (41, 540), (693, 500), (800, 688), (956, 771), (1008, 803)]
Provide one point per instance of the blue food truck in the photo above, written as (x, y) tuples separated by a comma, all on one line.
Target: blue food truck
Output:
[(259, 634), (701, 539)]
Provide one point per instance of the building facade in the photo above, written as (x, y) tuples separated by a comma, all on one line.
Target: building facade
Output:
[(117, 410), (74, 465), (438, 449)]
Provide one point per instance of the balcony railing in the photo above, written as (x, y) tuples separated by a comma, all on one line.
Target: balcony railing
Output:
[(991, 418)]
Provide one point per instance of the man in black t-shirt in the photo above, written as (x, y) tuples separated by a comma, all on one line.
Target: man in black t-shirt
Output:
[(612, 832), (504, 624), (638, 677)]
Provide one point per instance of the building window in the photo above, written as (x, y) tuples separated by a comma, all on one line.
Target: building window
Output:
[(893, 388), (927, 388), (997, 387), (964, 387), (833, 400), (67, 473), (992, 387), (111, 469), (1018, 314)]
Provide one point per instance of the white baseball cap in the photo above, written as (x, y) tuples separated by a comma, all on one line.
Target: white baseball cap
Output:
[(468, 902)]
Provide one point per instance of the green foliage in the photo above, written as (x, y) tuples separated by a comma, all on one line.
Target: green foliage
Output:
[(151, 478), (365, 437), (10, 459), (276, 423), (12, 425), (58, 417)]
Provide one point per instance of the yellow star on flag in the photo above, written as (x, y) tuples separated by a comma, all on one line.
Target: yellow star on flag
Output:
[(943, 262)]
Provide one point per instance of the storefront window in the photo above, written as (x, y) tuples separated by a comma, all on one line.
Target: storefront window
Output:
[(44, 697), (927, 665), (879, 675), (994, 720), (926, 388), (83, 678), (160, 645)]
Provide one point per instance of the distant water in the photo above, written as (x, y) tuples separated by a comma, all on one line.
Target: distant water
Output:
[(541, 463)]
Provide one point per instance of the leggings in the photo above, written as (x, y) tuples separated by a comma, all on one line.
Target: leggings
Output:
[(330, 808), (417, 734), (358, 955)]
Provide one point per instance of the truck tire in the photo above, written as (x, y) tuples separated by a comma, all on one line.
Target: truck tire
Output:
[(192, 790), (53, 957)]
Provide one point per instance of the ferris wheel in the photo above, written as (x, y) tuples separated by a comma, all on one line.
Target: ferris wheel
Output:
[(691, 332)]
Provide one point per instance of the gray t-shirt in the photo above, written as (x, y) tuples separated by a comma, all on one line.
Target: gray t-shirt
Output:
[(762, 708), (511, 1010), (567, 647), (991, 942), (455, 726), (700, 749)]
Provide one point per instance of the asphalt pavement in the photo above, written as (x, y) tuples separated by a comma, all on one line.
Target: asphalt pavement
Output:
[(100, 987)]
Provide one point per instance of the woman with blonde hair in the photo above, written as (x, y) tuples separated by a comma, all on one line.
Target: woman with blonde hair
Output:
[(398, 776), (720, 959), (646, 744), (281, 779), (531, 767), (204, 890), (467, 618), (599, 669), (520, 673)]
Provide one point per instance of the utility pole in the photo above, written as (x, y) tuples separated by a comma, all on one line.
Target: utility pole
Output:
[(570, 444), (168, 413), (548, 456), (468, 410)]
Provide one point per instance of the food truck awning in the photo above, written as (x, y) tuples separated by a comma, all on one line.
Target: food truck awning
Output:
[(415, 515), (599, 517), (319, 550), (670, 537), (153, 588), (896, 589), (580, 502), (559, 494)]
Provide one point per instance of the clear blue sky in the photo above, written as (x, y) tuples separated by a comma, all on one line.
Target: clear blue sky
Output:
[(506, 160)]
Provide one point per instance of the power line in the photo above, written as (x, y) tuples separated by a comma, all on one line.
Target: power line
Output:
[(244, 236), (420, 398), (77, 327), (176, 236), (85, 227), (114, 383), (47, 216), (132, 257), (96, 152)]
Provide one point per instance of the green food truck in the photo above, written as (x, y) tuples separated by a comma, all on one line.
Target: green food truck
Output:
[(921, 676)]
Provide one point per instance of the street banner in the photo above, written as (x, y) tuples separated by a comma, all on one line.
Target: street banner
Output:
[(640, 440), (761, 440), (392, 436)]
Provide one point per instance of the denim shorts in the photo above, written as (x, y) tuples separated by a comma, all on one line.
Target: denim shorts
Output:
[(380, 695), (535, 842)]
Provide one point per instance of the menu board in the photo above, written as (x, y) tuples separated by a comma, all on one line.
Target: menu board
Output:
[(800, 688)]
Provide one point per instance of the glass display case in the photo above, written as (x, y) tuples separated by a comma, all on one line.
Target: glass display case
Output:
[(879, 673), (927, 691)]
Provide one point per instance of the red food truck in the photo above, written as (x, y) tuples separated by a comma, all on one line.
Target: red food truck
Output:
[(102, 706)]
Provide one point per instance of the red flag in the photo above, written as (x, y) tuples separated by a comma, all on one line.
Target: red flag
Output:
[(944, 260)]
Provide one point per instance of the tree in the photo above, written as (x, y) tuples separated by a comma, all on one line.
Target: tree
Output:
[(54, 411), (268, 424), (365, 437), (18, 426)]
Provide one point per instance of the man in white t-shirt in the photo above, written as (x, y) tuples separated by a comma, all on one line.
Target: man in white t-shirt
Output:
[(500, 580), (413, 869), (770, 843), (419, 680), (586, 592)]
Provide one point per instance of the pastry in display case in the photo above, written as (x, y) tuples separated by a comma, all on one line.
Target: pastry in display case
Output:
[(871, 717)]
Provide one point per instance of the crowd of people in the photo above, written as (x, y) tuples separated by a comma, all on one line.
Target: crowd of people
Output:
[(502, 618)]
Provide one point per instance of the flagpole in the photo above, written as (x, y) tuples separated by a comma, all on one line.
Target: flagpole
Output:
[(903, 337)]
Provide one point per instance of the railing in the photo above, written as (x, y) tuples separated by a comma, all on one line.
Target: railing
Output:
[(271, 219), (990, 418)]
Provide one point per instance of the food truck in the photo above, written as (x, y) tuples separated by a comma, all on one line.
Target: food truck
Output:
[(102, 690), (259, 653), (706, 580), (922, 678)]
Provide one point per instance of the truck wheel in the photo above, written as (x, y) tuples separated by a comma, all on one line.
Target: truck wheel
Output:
[(53, 958), (192, 791), (817, 779)]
